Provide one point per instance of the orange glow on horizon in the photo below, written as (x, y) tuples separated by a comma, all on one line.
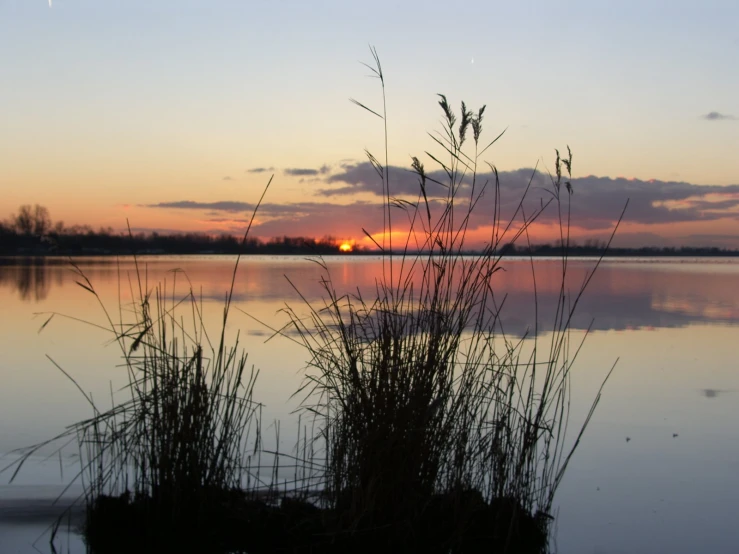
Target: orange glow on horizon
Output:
[(346, 246)]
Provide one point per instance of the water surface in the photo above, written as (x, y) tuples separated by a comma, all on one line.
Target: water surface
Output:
[(658, 469)]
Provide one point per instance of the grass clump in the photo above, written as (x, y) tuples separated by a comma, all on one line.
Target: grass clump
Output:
[(441, 434), (170, 463)]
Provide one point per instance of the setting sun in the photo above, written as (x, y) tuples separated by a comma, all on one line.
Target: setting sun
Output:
[(346, 247)]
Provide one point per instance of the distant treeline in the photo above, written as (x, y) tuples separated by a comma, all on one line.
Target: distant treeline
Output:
[(104, 242), (31, 233), (596, 249)]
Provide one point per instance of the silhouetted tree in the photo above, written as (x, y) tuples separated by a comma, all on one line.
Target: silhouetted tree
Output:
[(32, 220)]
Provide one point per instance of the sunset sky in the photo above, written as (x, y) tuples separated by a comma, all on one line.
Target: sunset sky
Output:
[(175, 114)]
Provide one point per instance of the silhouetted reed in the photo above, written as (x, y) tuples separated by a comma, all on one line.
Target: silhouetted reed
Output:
[(173, 461), (440, 433), (170, 463), (177, 448)]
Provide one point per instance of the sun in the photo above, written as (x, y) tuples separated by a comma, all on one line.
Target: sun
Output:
[(346, 247)]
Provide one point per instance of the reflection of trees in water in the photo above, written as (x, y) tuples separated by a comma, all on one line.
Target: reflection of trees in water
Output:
[(31, 280)]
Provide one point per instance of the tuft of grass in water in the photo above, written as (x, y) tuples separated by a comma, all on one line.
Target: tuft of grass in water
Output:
[(173, 460), (177, 448), (172, 463), (440, 432)]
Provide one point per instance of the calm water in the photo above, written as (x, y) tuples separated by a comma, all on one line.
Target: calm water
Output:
[(658, 470)]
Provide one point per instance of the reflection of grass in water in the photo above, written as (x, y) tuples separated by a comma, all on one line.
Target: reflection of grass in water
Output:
[(435, 439)]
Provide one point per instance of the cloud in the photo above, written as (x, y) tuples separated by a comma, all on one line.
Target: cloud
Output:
[(227, 220), (160, 230), (716, 116), (350, 199), (223, 205), (227, 178), (306, 172), (362, 177), (595, 203), (315, 219), (259, 169), (300, 171)]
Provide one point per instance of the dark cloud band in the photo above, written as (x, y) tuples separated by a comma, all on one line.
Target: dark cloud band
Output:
[(594, 206), (306, 172), (716, 116)]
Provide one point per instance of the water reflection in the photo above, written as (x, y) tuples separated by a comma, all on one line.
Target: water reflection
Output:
[(31, 279), (663, 440), (621, 296)]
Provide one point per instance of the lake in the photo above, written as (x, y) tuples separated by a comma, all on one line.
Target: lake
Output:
[(658, 467)]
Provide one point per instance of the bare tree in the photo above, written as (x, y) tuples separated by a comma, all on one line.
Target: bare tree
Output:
[(32, 220), (41, 220), (24, 220)]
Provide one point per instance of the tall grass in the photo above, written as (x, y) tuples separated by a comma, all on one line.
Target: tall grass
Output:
[(178, 447), (174, 459), (431, 417), (171, 461)]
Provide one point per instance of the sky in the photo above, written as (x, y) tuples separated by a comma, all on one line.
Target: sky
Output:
[(174, 115)]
